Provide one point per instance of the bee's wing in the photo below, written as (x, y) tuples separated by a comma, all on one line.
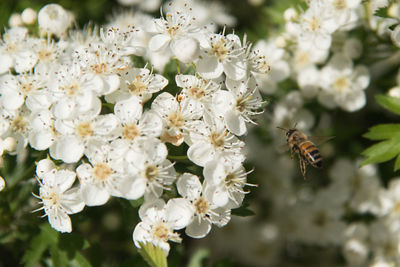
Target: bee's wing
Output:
[(284, 147), (319, 140)]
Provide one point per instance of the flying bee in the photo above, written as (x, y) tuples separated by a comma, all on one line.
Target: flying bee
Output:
[(308, 153)]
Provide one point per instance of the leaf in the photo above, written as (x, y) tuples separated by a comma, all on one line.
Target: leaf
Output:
[(59, 257), (382, 151), (199, 257), (153, 255), (390, 103), (397, 163), (243, 212), (39, 244), (383, 131), (79, 261)]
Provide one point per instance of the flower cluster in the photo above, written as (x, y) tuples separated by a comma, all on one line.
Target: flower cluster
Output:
[(84, 97)]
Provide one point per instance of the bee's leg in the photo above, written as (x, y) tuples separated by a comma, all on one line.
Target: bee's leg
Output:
[(292, 151), (303, 166)]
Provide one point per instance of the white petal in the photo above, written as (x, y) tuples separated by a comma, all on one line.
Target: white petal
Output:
[(209, 67), (6, 63), (111, 83), (198, 229), (43, 167), (68, 148), (235, 123), (64, 108), (24, 61), (151, 124), (105, 124), (65, 179), (59, 220), (72, 201), (128, 110), (189, 186), (41, 140), (94, 195), (179, 213), (214, 172), (135, 189), (235, 70), (12, 100), (221, 196), (159, 42), (200, 153)]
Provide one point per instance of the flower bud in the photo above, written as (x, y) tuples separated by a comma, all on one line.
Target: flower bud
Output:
[(15, 20), (10, 144), (54, 19), (29, 16)]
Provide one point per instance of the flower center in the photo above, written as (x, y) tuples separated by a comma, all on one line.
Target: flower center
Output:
[(99, 68), (19, 124), (241, 104), (314, 24), (196, 92), (102, 171), (151, 172), (220, 49), (230, 179), (176, 120), (161, 232), (341, 84), (26, 88), (72, 89), (84, 129), (339, 4), (217, 139), (201, 206), (45, 55), (130, 131), (137, 86)]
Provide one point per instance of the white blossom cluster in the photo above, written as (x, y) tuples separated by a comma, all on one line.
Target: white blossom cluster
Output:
[(82, 96)]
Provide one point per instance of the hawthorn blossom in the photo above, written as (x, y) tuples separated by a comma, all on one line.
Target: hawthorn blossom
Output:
[(205, 211), (159, 222), (222, 54), (59, 199)]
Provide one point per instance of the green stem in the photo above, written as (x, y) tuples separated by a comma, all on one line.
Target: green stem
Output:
[(172, 157), (178, 68)]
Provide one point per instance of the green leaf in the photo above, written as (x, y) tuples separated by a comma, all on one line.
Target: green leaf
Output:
[(382, 151), (153, 255), (198, 258), (390, 103), (397, 163), (59, 257), (39, 244), (80, 261), (243, 212), (383, 131)]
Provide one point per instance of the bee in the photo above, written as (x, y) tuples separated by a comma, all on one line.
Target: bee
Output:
[(308, 153)]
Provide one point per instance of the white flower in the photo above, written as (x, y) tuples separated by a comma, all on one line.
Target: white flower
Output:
[(212, 141), (177, 117), (343, 85), (175, 31), (134, 123), (227, 182), (15, 51), (54, 19), (273, 58), (59, 199), (14, 90), (146, 161), (220, 54), (104, 177), (317, 24), (76, 134), (41, 135), (237, 105), (159, 222), (205, 211), (139, 82)]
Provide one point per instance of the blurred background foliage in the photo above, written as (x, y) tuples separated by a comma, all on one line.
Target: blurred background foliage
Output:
[(102, 236)]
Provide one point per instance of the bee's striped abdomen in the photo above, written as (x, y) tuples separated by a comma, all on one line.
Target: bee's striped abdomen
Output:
[(311, 153)]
